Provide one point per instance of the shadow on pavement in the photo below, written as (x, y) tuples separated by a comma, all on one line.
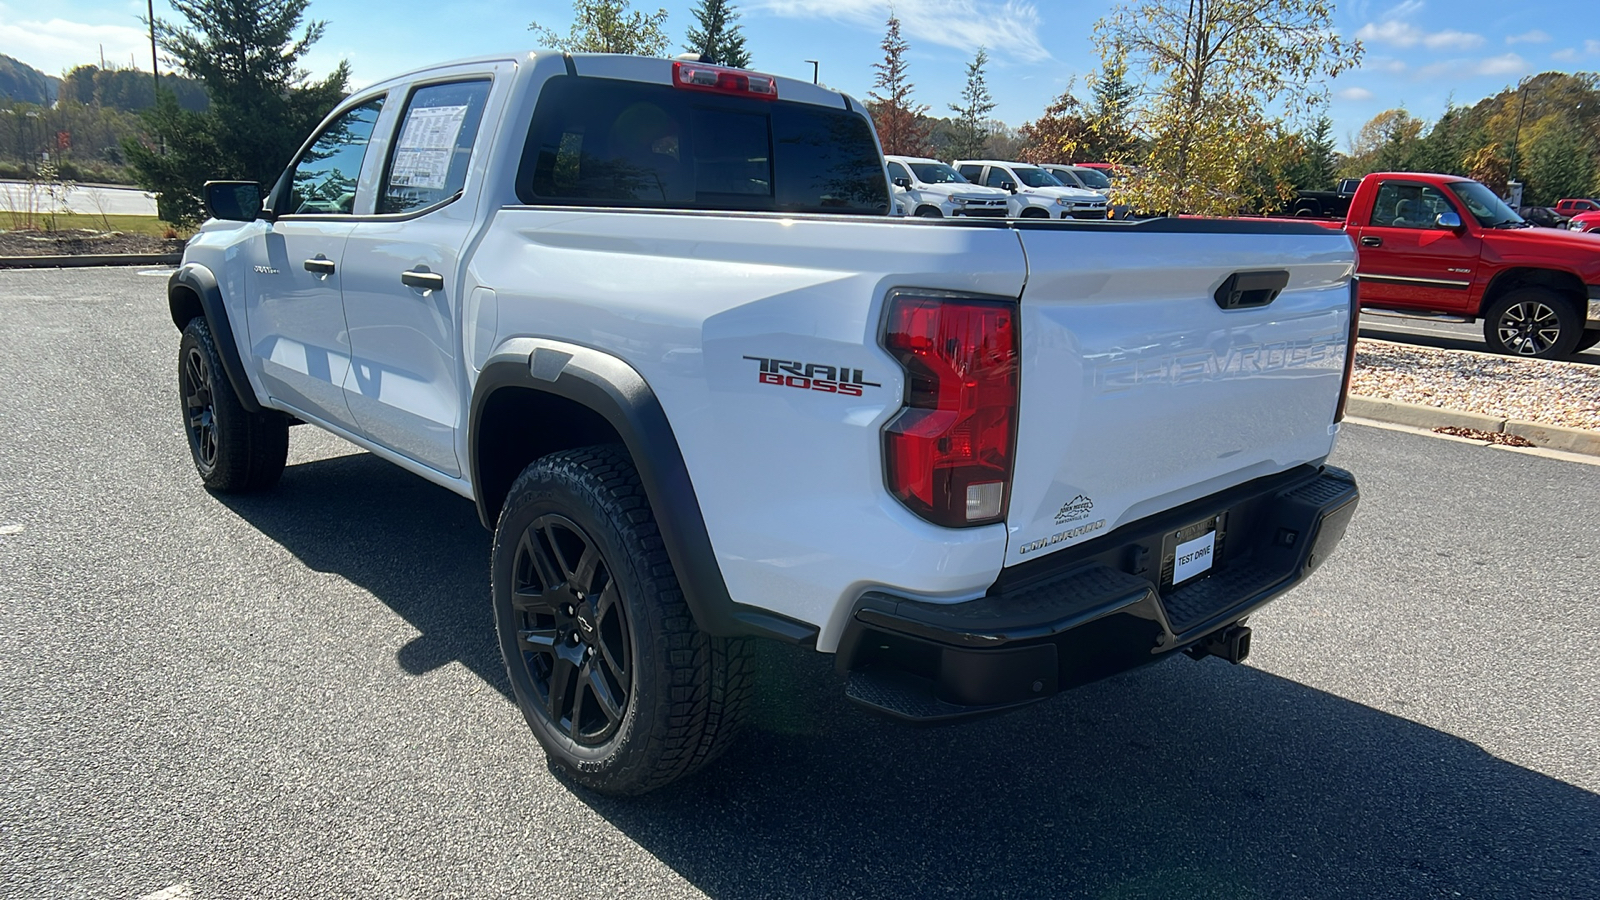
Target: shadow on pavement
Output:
[(416, 546), (1194, 780)]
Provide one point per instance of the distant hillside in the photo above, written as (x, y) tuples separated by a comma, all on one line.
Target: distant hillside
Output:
[(22, 82)]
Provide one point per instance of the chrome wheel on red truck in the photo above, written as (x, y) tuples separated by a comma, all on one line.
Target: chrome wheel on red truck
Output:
[(1533, 322)]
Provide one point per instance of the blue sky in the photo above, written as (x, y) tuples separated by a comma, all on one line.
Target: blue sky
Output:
[(1420, 53)]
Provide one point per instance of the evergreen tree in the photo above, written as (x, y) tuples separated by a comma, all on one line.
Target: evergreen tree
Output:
[(247, 54), (1111, 116), (608, 26), (972, 124), (718, 38), (898, 118), (1312, 167)]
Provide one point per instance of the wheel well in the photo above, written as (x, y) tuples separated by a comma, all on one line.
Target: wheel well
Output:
[(1034, 212), (519, 425), (185, 306), (928, 207), (1564, 283)]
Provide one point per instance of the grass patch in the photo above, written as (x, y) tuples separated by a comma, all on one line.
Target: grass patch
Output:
[(148, 225)]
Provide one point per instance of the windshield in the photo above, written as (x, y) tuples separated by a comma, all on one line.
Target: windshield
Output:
[(1036, 177), (1092, 179), (1489, 210), (937, 173)]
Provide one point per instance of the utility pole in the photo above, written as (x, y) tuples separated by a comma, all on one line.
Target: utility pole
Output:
[(813, 70), (1516, 137), (155, 74)]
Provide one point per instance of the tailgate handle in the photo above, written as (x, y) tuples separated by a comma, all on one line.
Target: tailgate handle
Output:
[(1244, 290)]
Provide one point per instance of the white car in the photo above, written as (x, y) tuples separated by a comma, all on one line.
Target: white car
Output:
[(929, 188), (1035, 193)]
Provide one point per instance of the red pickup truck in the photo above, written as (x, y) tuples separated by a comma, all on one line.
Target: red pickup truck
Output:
[(1445, 247)]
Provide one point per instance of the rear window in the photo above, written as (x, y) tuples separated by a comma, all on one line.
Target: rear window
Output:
[(609, 142)]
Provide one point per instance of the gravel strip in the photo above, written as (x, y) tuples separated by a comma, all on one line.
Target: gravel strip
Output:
[(1532, 390)]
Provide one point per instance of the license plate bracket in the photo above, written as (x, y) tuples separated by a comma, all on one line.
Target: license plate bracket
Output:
[(1193, 551)]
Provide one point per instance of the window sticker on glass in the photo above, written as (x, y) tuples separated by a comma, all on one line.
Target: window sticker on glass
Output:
[(422, 156)]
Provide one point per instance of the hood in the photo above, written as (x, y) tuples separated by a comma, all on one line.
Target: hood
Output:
[(967, 191), (1575, 251), (1078, 195)]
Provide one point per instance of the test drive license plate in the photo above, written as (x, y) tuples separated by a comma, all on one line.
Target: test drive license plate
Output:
[(1194, 551)]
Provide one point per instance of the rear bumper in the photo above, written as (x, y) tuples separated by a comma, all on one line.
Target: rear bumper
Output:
[(1079, 615)]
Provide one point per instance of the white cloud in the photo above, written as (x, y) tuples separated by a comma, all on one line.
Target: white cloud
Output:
[(1404, 10), (1591, 47), (1010, 28), (1509, 64), (1528, 37), (1355, 93), (1566, 54), (57, 45), (1404, 34), (1384, 64)]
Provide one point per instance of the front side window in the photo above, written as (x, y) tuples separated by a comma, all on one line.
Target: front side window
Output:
[(324, 180), (898, 171), (1092, 180), (428, 164), (971, 172), (1403, 204), (998, 177), (610, 142)]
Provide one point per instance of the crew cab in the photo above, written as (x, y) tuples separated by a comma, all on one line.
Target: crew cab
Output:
[(1572, 206), (654, 319), (931, 189), (1035, 193), (1443, 246)]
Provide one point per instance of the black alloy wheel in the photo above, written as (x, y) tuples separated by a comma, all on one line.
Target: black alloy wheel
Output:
[(200, 423), (572, 630)]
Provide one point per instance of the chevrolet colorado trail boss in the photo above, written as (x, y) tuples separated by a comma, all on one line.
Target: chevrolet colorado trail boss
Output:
[(654, 318), (1445, 247)]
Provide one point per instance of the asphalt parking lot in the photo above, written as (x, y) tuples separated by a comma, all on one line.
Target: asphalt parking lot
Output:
[(299, 694)]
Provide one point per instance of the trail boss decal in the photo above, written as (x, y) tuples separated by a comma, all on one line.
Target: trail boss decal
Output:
[(812, 376), (1077, 508)]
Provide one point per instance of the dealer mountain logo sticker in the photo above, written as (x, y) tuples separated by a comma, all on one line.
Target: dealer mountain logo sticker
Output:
[(1077, 508)]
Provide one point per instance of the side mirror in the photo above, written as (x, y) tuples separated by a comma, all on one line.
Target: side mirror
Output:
[(1008, 186), (1449, 220), (903, 183), (234, 201)]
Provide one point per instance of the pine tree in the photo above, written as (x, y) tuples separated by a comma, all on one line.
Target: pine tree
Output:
[(972, 125), (897, 117), (1113, 105), (247, 53), (718, 38)]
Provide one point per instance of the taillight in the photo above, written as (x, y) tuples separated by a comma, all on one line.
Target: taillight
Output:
[(723, 80), (948, 455), (1350, 350)]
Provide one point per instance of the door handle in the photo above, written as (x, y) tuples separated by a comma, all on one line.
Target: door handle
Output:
[(320, 266), (1245, 290), (428, 281), (1372, 241)]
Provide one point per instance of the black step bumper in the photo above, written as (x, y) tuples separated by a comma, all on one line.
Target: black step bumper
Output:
[(1094, 610)]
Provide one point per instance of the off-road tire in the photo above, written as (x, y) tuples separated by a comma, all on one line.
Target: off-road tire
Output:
[(1589, 339), (686, 692), (929, 212), (1034, 212), (234, 450), (1533, 323)]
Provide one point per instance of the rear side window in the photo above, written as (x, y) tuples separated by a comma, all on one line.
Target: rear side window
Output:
[(609, 142), (428, 164)]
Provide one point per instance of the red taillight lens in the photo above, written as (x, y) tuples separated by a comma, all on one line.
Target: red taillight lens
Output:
[(722, 80), (1350, 351), (948, 455)]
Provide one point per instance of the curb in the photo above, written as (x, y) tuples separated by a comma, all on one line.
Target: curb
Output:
[(104, 259), (1554, 437)]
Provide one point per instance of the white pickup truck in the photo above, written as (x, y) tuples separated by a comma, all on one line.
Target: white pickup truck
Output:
[(654, 319), (929, 188), (1035, 193)]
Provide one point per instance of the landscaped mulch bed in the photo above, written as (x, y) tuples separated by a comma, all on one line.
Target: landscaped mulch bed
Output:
[(1532, 390), (79, 242)]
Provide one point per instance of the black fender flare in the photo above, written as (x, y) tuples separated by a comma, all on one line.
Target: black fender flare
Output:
[(617, 392), (196, 279)]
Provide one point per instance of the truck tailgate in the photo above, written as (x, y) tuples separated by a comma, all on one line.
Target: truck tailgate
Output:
[(1140, 392)]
